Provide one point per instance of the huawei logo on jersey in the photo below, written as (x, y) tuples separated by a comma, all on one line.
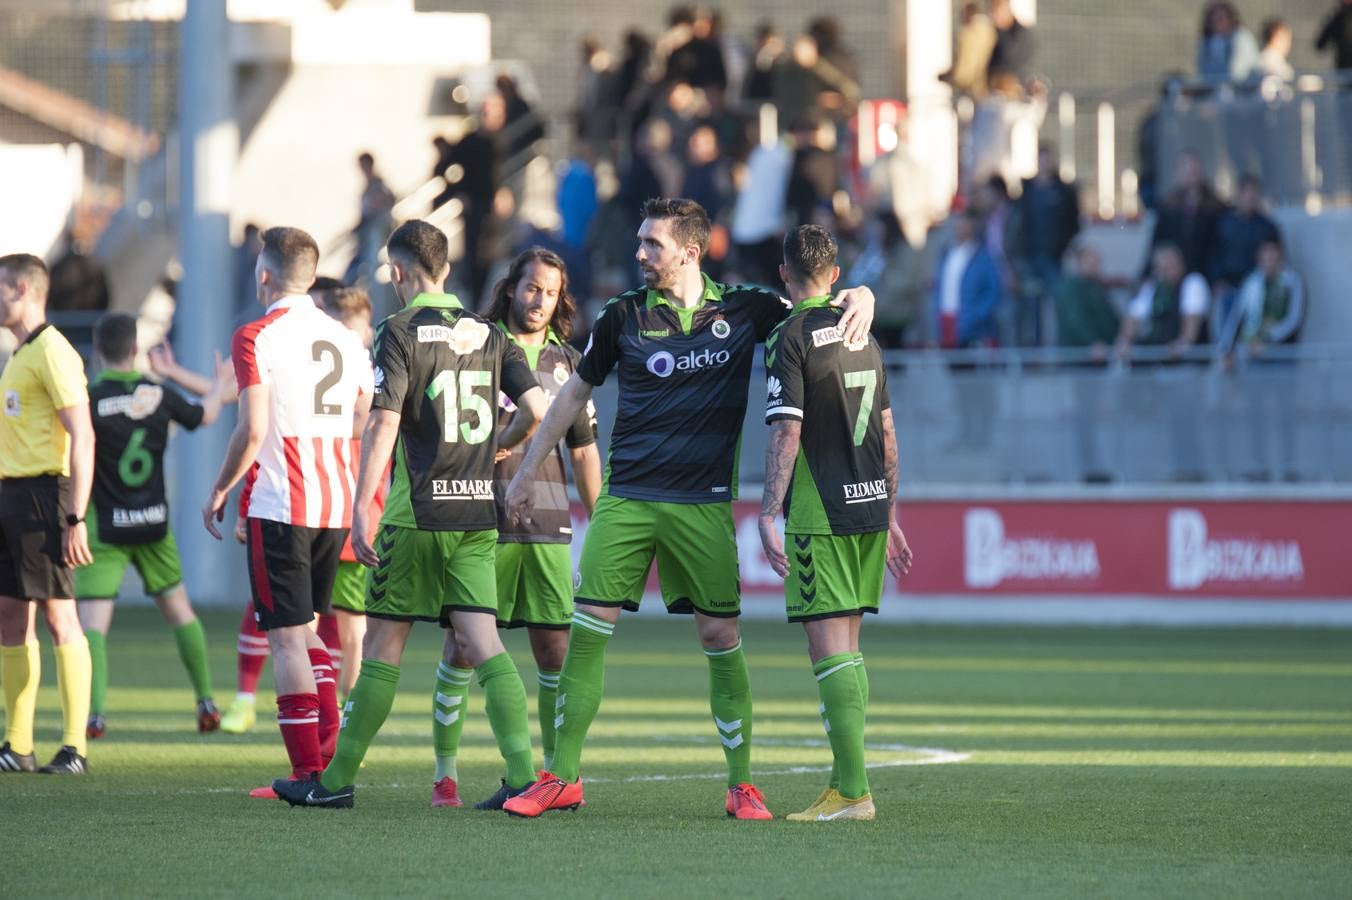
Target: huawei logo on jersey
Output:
[(774, 386)]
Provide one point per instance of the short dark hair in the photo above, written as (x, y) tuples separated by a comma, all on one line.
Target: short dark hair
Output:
[(366, 158), (689, 221), (292, 254), (344, 303), (420, 245), (30, 269), (562, 321), (115, 337), (809, 252), (323, 288)]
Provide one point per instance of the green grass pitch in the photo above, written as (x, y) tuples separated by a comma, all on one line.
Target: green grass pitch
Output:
[(1057, 762)]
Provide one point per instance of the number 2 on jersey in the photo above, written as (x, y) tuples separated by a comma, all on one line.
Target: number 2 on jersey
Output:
[(335, 375), (444, 386), (868, 380)]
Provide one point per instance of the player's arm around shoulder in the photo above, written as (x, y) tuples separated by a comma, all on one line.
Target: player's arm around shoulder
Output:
[(857, 321)]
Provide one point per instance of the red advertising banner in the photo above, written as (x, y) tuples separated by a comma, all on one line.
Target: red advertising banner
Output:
[(1299, 550)]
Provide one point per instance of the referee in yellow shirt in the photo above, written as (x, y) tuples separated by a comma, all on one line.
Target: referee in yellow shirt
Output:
[(46, 467)]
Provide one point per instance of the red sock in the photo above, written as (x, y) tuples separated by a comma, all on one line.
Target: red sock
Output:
[(328, 633), (326, 686), (253, 652), (298, 719)]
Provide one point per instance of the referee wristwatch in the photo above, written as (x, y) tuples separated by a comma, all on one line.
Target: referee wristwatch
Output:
[(72, 520)]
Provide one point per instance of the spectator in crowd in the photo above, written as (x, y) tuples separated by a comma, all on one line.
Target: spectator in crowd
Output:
[(521, 126), (1147, 144), (797, 83), (1239, 233), (1010, 69), (1168, 313), (596, 113), (577, 196), (706, 174), (1049, 214), (1226, 50), (245, 261), (769, 49), (1002, 233), (77, 280), (1274, 60), (736, 56), (652, 170), (837, 67), (373, 224), (1170, 307), (1270, 306), (476, 159), (967, 294), (975, 43), (1087, 319), (1189, 216), (1085, 315), (1269, 310), (816, 173), (964, 308), (757, 228), (1336, 35), (694, 57)]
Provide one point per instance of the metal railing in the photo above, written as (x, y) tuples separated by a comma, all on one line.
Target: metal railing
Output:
[(1065, 417)]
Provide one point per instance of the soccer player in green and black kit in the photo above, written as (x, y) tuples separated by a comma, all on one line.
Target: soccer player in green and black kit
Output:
[(684, 347), (129, 516), (438, 373), (533, 307), (833, 450)]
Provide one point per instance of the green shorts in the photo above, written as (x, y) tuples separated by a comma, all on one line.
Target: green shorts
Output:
[(535, 585), (349, 588), (694, 543), (426, 575), (834, 575), (157, 563)]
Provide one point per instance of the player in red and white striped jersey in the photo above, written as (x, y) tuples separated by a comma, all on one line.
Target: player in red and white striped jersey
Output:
[(305, 389)]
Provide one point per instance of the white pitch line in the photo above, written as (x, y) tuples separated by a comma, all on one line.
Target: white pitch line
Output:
[(931, 756)]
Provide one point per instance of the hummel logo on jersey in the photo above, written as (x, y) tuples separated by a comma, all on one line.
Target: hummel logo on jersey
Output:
[(662, 363), (462, 489), (655, 332), (865, 491), (774, 386)]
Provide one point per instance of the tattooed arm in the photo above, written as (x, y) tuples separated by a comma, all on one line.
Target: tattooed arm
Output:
[(780, 454), (899, 555)]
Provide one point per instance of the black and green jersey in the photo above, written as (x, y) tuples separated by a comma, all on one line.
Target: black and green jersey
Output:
[(131, 417), (551, 522), (441, 368), (684, 375), (839, 392)]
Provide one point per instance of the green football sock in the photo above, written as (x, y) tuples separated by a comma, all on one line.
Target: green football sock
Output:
[(365, 711), (98, 663), (580, 685), (505, 704), (192, 649), (730, 702), (544, 705), (448, 716), (838, 686), (862, 675)]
